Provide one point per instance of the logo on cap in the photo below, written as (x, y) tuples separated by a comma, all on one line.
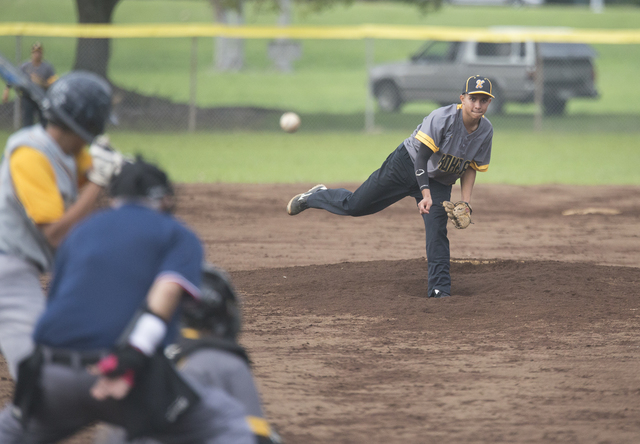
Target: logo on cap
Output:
[(479, 84)]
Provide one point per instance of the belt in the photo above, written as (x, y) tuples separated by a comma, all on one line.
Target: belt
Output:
[(71, 358)]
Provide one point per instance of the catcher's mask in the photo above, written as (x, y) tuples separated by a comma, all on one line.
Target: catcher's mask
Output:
[(143, 181), (216, 311)]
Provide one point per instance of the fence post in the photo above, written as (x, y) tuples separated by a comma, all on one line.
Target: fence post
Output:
[(17, 108), (369, 112), (597, 6), (538, 95), (193, 84)]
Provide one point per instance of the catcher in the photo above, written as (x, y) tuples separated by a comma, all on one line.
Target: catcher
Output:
[(208, 352), (451, 143)]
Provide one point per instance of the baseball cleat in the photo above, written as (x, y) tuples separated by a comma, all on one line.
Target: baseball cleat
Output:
[(298, 203), (440, 294)]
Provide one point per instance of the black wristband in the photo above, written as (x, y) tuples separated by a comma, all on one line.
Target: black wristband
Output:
[(422, 159)]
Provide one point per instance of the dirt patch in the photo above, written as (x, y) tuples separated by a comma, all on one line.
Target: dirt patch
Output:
[(539, 342), (354, 352)]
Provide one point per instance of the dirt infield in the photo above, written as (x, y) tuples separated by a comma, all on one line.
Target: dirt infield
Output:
[(539, 342)]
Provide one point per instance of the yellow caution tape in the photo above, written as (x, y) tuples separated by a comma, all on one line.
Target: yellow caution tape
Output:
[(567, 35)]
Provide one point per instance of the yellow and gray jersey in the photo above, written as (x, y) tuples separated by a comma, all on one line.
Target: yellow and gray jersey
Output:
[(38, 183), (454, 149)]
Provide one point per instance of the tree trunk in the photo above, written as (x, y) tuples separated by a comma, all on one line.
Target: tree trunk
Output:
[(229, 52), (93, 54), (283, 51)]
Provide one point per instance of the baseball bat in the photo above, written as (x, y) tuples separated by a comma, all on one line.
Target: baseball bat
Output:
[(15, 78)]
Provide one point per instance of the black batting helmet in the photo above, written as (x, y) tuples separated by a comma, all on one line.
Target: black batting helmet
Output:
[(79, 101), (217, 309), (140, 180)]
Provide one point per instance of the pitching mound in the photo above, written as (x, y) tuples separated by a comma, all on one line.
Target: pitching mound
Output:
[(523, 352)]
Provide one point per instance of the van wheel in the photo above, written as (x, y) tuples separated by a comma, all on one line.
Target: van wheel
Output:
[(554, 106), (388, 97)]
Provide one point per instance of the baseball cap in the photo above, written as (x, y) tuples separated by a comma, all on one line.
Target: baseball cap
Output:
[(478, 85), (37, 46)]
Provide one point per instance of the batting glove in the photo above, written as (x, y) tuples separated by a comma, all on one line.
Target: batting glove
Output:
[(106, 162)]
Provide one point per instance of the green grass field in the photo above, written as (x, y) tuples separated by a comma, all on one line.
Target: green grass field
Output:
[(521, 159), (596, 143)]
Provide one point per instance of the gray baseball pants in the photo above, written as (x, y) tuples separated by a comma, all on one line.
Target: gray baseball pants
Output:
[(211, 368), (394, 181), (66, 407), (22, 302)]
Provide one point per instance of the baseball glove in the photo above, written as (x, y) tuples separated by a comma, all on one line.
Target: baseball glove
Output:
[(459, 213)]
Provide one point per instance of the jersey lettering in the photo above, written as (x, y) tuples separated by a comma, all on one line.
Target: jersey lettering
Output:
[(453, 164)]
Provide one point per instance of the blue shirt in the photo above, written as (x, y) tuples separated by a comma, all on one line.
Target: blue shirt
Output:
[(104, 269)]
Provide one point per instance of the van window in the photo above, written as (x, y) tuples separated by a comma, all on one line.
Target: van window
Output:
[(493, 50), (438, 52)]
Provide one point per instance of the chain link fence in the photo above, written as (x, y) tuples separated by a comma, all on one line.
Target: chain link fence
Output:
[(353, 84)]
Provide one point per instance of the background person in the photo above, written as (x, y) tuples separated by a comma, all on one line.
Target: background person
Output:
[(48, 182), (451, 143), (42, 74)]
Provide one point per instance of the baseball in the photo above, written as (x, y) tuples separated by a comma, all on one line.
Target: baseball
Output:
[(290, 122)]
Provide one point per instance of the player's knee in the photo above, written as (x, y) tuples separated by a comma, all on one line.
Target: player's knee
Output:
[(356, 207), (357, 212)]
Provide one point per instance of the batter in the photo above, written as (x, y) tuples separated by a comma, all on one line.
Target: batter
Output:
[(48, 182)]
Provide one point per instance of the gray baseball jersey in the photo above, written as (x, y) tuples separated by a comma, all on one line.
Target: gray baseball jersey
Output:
[(454, 149), (24, 250), (19, 235), (42, 75)]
